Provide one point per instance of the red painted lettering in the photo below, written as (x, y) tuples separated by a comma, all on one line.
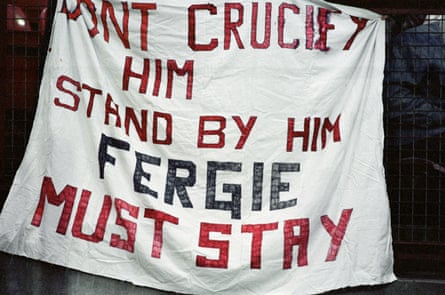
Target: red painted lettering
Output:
[(186, 70), (130, 227), (291, 239), (141, 128), (291, 134), (112, 109), (267, 26), (314, 130), (281, 20), (215, 132), (309, 26), (99, 232), (324, 26), (73, 15), (231, 27), (168, 128), (223, 246), (361, 24), (66, 196), (317, 122), (144, 8), (328, 127), (159, 218), (93, 93), (244, 129), (108, 9), (60, 85), (129, 73), (257, 240), (213, 43), (336, 232)]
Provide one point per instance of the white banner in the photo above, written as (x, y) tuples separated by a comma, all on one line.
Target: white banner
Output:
[(208, 147)]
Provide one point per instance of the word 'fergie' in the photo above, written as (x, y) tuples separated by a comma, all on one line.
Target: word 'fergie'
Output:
[(147, 169)]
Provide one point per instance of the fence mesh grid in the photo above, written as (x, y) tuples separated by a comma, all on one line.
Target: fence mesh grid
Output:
[(415, 127), (415, 164), (22, 40)]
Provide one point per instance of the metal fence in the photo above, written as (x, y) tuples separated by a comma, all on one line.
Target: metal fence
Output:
[(22, 33), (414, 122), (415, 140)]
